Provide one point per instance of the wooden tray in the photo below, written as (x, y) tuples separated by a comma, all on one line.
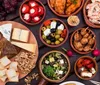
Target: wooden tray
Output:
[(64, 15), (32, 39), (86, 18)]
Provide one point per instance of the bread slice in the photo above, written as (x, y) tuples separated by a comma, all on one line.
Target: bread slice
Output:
[(11, 73), (3, 78), (15, 79), (3, 72), (14, 65), (26, 46), (20, 34), (5, 61)]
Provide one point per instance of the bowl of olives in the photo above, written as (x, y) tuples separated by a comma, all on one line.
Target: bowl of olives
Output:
[(53, 32), (83, 40)]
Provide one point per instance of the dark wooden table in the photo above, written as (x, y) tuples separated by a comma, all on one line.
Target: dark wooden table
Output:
[(43, 49)]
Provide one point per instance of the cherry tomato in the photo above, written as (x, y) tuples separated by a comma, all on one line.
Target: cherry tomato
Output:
[(33, 4), (25, 8), (41, 10), (33, 11), (27, 17), (36, 19), (90, 65)]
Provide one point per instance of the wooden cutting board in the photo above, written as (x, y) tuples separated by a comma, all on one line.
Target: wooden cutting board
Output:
[(32, 39)]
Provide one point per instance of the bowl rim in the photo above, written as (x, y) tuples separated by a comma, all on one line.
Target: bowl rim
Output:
[(41, 4), (60, 15), (48, 79), (71, 43), (96, 67), (54, 46), (86, 18)]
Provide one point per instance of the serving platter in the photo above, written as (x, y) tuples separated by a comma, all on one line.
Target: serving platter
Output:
[(31, 39), (86, 18)]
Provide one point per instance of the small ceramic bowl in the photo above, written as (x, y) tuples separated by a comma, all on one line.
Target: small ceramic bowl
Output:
[(49, 45), (95, 64), (86, 17), (82, 52), (32, 23), (50, 80), (64, 15)]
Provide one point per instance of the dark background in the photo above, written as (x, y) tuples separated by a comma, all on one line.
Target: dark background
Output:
[(43, 49)]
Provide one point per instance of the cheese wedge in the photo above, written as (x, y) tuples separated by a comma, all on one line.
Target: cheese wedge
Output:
[(6, 29), (11, 73), (26, 46), (3, 72), (14, 65), (20, 34), (3, 78), (5, 61)]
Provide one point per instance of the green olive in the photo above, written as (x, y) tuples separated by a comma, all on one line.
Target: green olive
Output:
[(48, 41), (59, 32), (44, 37), (57, 36), (57, 42), (52, 34), (44, 28), (61, 39)]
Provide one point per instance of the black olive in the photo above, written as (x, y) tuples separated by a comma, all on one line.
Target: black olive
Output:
[(53, 30), (49, 37), (58, 23), (53, 39)]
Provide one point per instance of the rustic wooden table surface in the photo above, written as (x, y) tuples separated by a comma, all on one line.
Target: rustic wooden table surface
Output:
[(43, 49)]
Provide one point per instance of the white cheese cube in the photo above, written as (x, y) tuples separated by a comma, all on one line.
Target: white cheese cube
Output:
[(11, 73), (93, 71), (14, 79), (2, 72), (86, 74), (53, 24), (46, 62), (14, 65), (62, 61), (60, 72), (47, 32), (3, 78), (61, 27), (5, 61)]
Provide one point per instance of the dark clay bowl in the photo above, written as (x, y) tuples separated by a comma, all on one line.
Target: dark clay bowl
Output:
[(40, 33), (64, 15), (50, 80), (86, 17), (93, 60), (81, 52), (30, 23)]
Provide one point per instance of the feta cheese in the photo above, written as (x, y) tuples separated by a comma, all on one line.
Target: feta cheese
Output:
[(62, 61), (86, 74), (6, 29), (46, 62), (93, 71), (61, 27), (47, 32), (60, 72), (53, 24)]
